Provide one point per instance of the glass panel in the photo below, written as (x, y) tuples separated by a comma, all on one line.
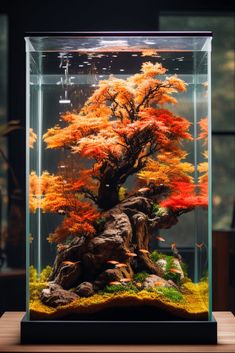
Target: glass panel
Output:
[(3, 122), (118, 176), (223, 61)]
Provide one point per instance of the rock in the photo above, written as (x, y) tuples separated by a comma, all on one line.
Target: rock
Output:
[(72, 252), (68, 275), (177, 265), (154, 281), (56, 296), (162, 263), (110, 275), (111, 244), (85, 289), (172, 284)]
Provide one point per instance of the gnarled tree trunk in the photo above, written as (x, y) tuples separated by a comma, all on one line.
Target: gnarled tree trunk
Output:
[(127, 229)]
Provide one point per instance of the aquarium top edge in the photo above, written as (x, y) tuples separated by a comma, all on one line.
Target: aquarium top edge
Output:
[(121, 33), (118, 41)]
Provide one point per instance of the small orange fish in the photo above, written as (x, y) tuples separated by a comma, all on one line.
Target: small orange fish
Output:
[(131, 254), (138, 284), (71, 263), (124, 280), (112, 262), (173, 245), (114, 283), (143, 189), (160, 238), (144, 251), (175, 270), (61, 247), (121, 265), (200, 246), (158, 283)]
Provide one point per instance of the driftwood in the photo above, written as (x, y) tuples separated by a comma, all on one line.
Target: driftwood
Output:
[(127, 228)]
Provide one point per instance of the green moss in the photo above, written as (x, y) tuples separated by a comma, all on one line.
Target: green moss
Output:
[(156, 255), (169, 293), (184, 267), (158, 211), (101, 220), (172, 294), (117, 288), (114, 288), (155, 208), (175, 277), (140, 276)]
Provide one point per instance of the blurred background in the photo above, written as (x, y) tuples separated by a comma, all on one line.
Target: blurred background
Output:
[(18, 17)]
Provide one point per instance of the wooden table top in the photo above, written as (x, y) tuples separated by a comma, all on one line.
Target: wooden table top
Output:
[(10, 339)]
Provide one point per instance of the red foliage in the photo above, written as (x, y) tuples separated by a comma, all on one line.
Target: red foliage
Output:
[(184, 197)]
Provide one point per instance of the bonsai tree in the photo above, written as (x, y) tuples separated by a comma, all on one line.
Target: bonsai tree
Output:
[(121, 132)]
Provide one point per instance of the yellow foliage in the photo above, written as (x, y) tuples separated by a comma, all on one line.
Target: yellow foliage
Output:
[(203, 167), (166, 169), (122, 193), (37, 282)]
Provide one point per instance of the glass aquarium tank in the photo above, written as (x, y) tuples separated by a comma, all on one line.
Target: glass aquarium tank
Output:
[(118, 184)]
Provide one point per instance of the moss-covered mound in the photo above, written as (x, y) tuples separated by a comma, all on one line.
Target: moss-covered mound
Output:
[(192, 304)]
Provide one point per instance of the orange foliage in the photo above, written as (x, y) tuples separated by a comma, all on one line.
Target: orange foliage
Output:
[(32, 138), (54, 194), (76, 223), (120, 122), (122, 129), (34, 192), (203, 167), (203, 124), (121, 100), (166, 169)]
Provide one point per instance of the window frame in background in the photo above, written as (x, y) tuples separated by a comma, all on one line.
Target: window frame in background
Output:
[(216, 132)]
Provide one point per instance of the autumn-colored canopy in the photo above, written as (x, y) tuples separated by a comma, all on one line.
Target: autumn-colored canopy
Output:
[(123, 129)]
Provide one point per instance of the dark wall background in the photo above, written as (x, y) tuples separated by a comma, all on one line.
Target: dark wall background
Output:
[(74, 15), (66, 15)]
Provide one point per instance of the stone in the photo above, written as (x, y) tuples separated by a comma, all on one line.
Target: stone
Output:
[(162, 263), (153, 281), (176, 264), (68, 275), (56, 296), (85, 289), (110, 275)]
